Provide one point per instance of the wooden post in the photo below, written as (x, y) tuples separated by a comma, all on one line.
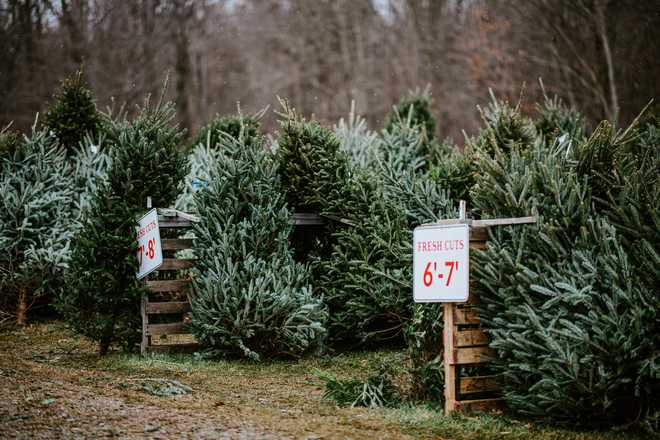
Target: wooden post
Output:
[(143, 307), (449, 339), (449, 358)]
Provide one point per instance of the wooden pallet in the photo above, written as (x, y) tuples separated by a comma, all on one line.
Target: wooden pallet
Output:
[(466, 347), (165, 306)]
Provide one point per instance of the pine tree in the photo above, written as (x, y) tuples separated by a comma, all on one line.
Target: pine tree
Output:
[(312, 168), (36, 191), (361, 146), (72, 114), (570, 319), (414, 109), (251, 298), (102, 296), (504, 128), (234, 125)]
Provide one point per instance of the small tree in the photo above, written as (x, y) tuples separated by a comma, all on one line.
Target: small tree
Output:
[(415, 108), (72, 115), (102, 296), (36, 191), (234, 125), (312, 168), (251, 298)]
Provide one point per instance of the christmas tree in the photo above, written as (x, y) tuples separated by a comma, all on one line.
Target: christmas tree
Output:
[(361, 145), (571, 320), (36, 191), (102, 296), (415, 109), (312, 168), (72, 115), (251, 298), (234, 125)]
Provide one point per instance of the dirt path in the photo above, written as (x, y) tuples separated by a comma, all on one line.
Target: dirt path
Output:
[(52, 385)]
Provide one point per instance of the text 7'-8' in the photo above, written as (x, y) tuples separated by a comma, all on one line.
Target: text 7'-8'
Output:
[(150, 252), (432, 268)]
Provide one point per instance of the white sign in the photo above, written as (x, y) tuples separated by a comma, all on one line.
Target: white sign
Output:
[(150, 253), (441, 263)]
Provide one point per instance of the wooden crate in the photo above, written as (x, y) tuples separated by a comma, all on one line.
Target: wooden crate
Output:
[(466, 348), (165, 306)]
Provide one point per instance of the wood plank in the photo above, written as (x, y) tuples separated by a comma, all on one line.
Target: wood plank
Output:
[(479, 405), (478, 234), (179, 339), (168, 214), (449, 358), (168, 307), (466, 315), (474, 355), (176, 264), (305, 218), (504, 221), (478, 384), (175, 328), (478, 245), (144, 342), (173, 224), (169, 285), (485, 222), (167, 348), (176, 244), (467, 338)]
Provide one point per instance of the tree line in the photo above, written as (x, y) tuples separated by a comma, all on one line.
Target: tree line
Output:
[(599, 55)]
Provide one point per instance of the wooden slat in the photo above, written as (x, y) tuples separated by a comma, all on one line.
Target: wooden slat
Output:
[(169, 285), (474, 355), (479, 405), (167, 223), (176, 328), (167, 348), (303, 218), (504, 221), (485, 222), (176, 264), (466, 315), (478, 384), (478, 245), (168, 307), (176, 244), (478, 234), (467, 338), (178, 339)]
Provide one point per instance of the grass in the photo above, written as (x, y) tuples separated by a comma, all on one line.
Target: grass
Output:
[(276, 399)]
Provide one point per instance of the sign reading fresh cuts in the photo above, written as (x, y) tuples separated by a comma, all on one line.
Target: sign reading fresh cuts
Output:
[(150, 254), (441, 263)]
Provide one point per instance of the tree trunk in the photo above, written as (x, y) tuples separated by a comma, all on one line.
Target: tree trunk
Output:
[(21, 307)]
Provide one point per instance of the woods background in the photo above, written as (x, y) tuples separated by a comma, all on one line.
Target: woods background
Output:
[(599, 55)]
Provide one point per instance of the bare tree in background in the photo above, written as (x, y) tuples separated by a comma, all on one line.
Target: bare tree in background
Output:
[(601, 55)]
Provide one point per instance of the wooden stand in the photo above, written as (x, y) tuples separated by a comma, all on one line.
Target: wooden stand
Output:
[(465, 343), (167, 301)]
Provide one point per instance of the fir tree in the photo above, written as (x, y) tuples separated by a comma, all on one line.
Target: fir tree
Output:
[(36, 191), (102, 296), (73, 113), (234, 125), (569, 318), (251, 298), (414, 109), (312, 168), (361, 146), (504, 128)]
